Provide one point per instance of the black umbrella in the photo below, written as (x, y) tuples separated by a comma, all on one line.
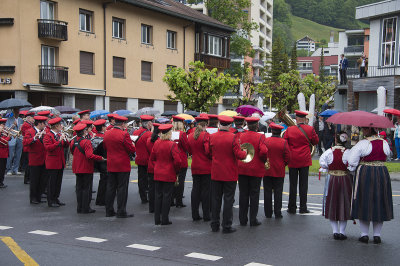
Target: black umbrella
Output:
[(66, 109), (13, 103), (192, 113), (169, 113), (132, 117)]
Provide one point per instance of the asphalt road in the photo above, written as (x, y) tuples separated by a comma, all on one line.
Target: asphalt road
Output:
[(60, 236)]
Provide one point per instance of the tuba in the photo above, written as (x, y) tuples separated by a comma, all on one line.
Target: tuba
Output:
[(287, 120), (250, 152)]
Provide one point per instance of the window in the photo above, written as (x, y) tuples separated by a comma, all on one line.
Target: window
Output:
[(197, 42), (146, 71), (171, 66), (146, 34), (118, 67), (47, 10), (118, 28), (388, 46), (214, 45), (85, 20), (86, 63), (171, 39), (48, 56)]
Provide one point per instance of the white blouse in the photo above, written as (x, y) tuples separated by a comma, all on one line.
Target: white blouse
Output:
[(327, 157), (361, 149)]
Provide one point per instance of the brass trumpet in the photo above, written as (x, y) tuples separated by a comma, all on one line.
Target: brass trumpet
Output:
[(250, 152), (14, 133)]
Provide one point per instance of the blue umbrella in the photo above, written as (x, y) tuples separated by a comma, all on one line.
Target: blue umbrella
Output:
[(328, 113), (162, 120), (122, 112), (98, 113)]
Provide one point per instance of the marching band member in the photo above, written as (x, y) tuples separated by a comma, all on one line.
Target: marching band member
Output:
[(29, 121), (111, 120), (239, 124), (224, 150), (338, 197), (251, 174), (201, 170), (183, 149), (89, 127), (101, 166), (150, 169), (300, 138), (33, 141), (372, 195), (213, 120), (166, 159), (76, 121), (46, 114), (119, 146), (279, 157), (84, 115), (4, 138), (142, 155), (54, 143), (82, 167)]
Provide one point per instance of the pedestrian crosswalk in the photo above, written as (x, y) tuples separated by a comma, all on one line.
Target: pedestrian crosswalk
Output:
[(314, 208)]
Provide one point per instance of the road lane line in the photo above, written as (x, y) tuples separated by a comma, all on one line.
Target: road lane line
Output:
[(144, 247), (91, 239), (257, 264), (203, 256), (18, 251), (43, 233), (3, 227)]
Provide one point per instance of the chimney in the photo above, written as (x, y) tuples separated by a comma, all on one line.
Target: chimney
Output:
[(332, 38)]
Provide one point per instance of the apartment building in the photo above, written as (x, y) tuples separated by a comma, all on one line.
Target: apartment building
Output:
[(94, 54), (306, 43)]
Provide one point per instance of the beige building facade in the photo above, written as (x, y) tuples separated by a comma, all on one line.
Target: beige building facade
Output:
[(93, 54)]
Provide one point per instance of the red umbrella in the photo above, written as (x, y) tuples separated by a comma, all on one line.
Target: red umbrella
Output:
[(248, 110), (360, 119), (392, 111)]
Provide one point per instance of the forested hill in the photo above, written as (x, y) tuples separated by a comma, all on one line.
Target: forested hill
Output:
[(334, 13)]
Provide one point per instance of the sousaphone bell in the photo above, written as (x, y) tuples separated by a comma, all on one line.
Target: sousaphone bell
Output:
[(250, 152)]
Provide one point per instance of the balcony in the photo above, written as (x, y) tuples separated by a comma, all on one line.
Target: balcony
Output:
[(213, 61), (52, 29), (257, 63), (354, 50), (374, 71), (53, 75), (257, 79), (305, 68)]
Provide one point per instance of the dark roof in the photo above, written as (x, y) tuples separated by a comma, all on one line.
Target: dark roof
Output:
[(306, 39), (179, 10)]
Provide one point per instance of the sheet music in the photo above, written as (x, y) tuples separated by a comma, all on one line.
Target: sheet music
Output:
[(134, 138), (175, 135), (212, 130)]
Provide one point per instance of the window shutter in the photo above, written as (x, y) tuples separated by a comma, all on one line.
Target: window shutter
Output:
[(86, 63), (146, 70), (119, 67), (206, 49)]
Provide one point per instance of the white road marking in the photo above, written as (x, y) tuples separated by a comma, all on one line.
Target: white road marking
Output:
[(3, 227), (91, 239), (144, 247), (44, 233), (312, 212), (203, 256), (257, 264)]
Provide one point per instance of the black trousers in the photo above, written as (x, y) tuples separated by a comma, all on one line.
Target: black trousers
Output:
[(201, 193), (249, 191), (102, 189), (163, 197), (343, 76), (83, 191), (301, 175), (43, 186), (3, 164), (320, 141), (24, 161), (37, 178), (273, 184), (363, 73), (152, 192), (142, 182), (117, 184), (54, 184), (227, 190), (179, 190)]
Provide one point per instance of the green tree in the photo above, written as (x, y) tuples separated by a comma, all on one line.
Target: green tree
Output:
[(322, 90), (199, 88), (279, 61), (282, 23), (322, 66), (293, 57)]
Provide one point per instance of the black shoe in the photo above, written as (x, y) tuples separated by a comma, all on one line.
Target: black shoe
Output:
[(3, 186), (291, 211), (27, 182), (93, 191), (198, 218), (278, 216), (34, 202), (206, 219), (214, 229), (268, 216), (377, 240), (53, 205), (255, 223), (60, 203), (342, 237), (166, 223), (111, 214), (172, 203), (228, 230), (364, 239), (336, 236), (151, 211), (180, 205), (243, 223), (100, 204), (157, 223), (89, 211), (125, 215), (304, 211), (145, 201), (79, 211)]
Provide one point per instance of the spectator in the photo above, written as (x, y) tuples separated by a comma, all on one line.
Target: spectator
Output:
[(319, 128), (329, 135), (344, 63), (362, 63), (15, 144), (397, 140)]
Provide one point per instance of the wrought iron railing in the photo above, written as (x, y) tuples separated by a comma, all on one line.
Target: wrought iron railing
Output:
[(373, 71), (56, 75), (52, 29)]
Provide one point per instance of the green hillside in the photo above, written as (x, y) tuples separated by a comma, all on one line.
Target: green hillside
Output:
[(302, 27)]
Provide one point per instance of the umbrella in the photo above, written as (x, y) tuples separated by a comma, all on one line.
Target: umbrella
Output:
[(147, 111), (66, 109), (98, 113), (228, 113), (192, 113), (45, 108), (360, 119), (162, 120), (392, 111), (122, 112), (133, 116), (66, 116), (265, 117), (328, 113), (186, 116), (248, 110), (169, 113), (14, 103)]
